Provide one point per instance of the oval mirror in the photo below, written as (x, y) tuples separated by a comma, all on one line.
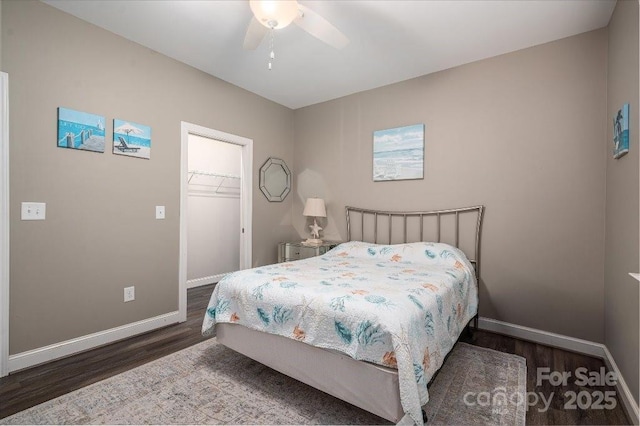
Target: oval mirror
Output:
[(275, 179)]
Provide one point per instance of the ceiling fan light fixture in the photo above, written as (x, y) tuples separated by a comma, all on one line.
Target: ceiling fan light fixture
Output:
[(274, 14)]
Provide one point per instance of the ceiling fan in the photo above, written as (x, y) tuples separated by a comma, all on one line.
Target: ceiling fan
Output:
[(271, 15)]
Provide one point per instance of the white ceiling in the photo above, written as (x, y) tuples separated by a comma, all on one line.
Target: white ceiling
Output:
[(390, 41)]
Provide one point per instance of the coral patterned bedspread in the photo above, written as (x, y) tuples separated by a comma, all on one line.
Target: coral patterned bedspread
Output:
[(401, 306)]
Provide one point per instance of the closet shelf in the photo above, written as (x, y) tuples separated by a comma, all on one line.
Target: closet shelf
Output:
[(218, 183), (193, 173)]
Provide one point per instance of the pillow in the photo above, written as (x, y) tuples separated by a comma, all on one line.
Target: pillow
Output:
[(419, 252)]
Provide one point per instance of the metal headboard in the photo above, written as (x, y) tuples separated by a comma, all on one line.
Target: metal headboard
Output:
[(389, 215)]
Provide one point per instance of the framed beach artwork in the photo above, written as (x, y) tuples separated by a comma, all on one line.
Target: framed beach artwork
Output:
[(80, 130), (621, 132), (131, 139), (398, 154)]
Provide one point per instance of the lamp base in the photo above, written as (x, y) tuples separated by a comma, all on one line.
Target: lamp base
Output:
[(312, 242)]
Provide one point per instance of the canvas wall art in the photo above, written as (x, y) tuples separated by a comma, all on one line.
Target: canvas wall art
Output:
[(131, 139), (398, 154), (80, 130), (621, 132)]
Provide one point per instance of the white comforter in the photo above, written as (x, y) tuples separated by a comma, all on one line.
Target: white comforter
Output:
[(401, 306)]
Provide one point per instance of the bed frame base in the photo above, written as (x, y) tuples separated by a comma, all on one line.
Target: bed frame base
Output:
[(368, 386)]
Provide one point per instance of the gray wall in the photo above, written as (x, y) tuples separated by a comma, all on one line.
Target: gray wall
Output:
[(68, 272), (520, 133), (621, 242)]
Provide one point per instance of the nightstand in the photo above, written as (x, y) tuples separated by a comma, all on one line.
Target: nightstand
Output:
[(297, 250)]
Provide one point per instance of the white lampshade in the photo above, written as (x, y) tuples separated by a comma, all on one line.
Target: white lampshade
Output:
[(314, 207), (274, 13)]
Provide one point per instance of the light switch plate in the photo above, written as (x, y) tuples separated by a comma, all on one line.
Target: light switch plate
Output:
[(129, 294), (33, 211), (159, 212)]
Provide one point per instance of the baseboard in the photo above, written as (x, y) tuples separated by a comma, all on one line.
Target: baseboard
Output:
[(198, 282), (630, 404), (571, 344), (539, 336), (69, 347)]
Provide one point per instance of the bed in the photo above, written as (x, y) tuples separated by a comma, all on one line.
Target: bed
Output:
[(369, 322)]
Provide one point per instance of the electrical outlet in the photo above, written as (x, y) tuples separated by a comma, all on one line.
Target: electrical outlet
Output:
[(129, 294), (33, 211)]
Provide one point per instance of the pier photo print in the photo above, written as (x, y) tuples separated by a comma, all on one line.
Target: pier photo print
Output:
[(80, 130)]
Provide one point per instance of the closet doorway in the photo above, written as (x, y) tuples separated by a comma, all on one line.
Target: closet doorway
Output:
[(215, 207), (213, 210)]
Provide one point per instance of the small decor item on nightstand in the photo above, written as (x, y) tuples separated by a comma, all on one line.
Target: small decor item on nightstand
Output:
[(314, 207)]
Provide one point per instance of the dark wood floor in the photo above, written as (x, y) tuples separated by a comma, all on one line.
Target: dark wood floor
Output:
[(33, 386), (556, 360)]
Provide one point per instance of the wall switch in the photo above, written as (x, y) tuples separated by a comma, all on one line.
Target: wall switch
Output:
[(159, 212), (129, 294), (33, 211)]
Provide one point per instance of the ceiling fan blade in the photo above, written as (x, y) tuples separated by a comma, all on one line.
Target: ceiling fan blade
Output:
[(255, 33), (320, 28)]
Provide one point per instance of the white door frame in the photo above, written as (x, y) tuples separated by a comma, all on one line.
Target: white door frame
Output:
[(246, 208), (4, 224)]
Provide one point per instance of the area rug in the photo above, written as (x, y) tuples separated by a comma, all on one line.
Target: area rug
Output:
[(210, 384)]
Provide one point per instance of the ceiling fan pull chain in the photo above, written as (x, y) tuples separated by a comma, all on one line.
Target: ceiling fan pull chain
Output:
[(272, 55)]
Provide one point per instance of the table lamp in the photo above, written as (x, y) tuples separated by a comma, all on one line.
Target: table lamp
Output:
[(314, 207)]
